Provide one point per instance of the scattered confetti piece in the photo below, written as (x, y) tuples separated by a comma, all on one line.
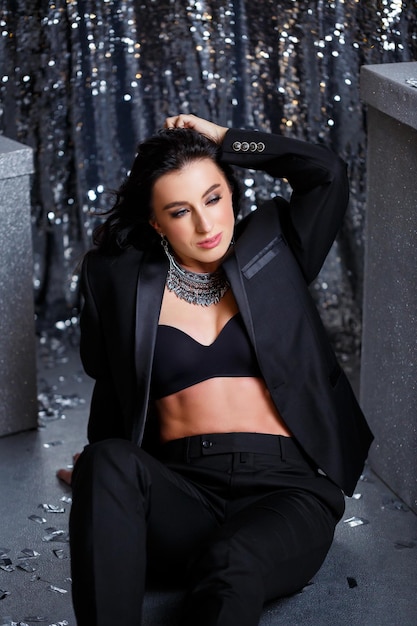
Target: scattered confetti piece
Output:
[(28, 553), (394, 504), (7, 568), (57, 589), (26, 567), (60, 554), (52, 508), (366, 475), (36, 518), (56, 535), (355, 521)]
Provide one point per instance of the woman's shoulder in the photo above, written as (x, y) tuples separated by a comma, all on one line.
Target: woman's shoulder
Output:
[(108, 278), (265, 218), (100, 266), (98, 257)]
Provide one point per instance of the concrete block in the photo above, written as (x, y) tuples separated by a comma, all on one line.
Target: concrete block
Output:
[(388, 389), (18, 402)]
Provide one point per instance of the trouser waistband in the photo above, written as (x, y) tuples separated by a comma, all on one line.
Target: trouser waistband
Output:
[(226, 443)]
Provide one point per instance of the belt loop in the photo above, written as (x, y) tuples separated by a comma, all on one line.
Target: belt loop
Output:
[(281, 445), (187, 449)]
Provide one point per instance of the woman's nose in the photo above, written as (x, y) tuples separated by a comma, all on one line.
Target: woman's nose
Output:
[(203, 224)]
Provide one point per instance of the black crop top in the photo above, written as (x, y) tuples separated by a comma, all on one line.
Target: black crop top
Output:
[(180, 361)]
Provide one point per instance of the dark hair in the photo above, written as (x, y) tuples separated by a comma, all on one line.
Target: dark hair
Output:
[(127, 221)]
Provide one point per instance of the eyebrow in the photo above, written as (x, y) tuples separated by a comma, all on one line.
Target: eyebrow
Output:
[(176, 203)]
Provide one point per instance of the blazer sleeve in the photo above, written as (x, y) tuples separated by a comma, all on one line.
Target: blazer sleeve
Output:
[(104, 407), (319, 183)]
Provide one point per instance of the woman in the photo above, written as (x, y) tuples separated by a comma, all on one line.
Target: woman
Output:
[(222, 430)]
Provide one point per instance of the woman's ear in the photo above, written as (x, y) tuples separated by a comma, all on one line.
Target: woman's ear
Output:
[(155, 225)]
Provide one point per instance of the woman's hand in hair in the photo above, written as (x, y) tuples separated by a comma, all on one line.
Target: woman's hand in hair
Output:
[(213, 131)]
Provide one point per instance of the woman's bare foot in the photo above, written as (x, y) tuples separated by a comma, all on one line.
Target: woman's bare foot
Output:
[(66, 474)]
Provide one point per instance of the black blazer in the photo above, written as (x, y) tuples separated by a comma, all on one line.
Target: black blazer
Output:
[(279, 249)]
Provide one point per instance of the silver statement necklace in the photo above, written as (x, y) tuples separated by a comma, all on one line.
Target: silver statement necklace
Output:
[(200, 289)]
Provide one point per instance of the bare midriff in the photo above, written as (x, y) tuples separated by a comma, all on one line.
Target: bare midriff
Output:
[(220, 405)]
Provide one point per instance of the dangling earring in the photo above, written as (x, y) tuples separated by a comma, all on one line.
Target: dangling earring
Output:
[(164, 244)]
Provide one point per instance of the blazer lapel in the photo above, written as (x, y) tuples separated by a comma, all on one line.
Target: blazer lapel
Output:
[(150, 289), (255, 237), (233, 273)]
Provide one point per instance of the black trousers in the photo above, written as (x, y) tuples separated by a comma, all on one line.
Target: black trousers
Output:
[(239, 518)]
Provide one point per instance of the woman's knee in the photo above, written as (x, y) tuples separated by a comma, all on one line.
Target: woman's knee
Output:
[(106, 457)]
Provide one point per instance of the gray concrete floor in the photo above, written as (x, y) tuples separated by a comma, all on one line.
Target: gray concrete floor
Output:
[(368, 579)]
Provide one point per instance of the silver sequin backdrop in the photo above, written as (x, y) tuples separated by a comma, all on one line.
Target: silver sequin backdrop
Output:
[(82, 81)]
